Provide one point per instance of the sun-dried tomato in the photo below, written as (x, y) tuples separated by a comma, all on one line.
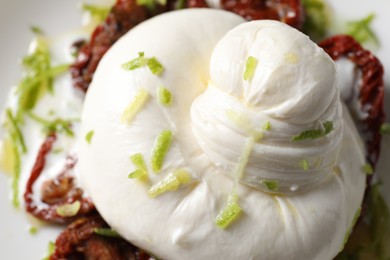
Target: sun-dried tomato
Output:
[(287, 11), (123, 16), (79, 241), (57, 192), (371, 88)]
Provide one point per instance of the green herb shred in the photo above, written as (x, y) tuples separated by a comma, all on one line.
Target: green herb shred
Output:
[(136, 63), (39, 75), (271, 185), (267, 126), (16, 177), (15, 131), (317, 19), (314, 133), (367, 169), (33, 230), (151, 4), (18, 148), (36, 30), (305, 165), (385, 128), (51, 248), (99, 12), (53, 126), (107, 232), (89, 136), (361, 30)]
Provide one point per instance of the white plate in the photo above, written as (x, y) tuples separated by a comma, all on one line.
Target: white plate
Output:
[(17, 16)]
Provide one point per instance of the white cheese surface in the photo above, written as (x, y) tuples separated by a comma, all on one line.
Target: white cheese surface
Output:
[(308, 224)]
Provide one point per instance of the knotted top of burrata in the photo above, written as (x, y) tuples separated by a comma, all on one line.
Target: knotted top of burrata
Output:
[(217, 120)]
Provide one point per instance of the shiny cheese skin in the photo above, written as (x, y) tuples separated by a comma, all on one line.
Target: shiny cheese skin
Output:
[(309, 224)]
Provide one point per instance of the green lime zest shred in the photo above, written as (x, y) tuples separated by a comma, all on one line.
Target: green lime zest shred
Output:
[(361, 30), (33, 230), (58, 150), (271, 185), (327, 127), (139, 161), (7, 156), (15, 131), (18, 148), (69, 210), (164, 96), (152, 63), (134, 106), (155, 66), (141, 171), (16, 175), (58, 70), (89, 136), (99, 12), (368, 169), (170, 183), (151, 4), (267, 126), (36, 30), (305, 165), (160, 149), (229, 213), (57, 125), (137, 174), (51, 248), (250, 68), (39, 75), (107, 232), (385, 128), (180, 4), (136, 63)]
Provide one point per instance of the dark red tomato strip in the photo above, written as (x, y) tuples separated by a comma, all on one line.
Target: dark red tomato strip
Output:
[(287, 11), (69, 195), (123, 16), (371, 87), (79, 241)]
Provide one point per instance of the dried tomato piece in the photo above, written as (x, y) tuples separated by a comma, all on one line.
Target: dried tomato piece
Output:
[(57, 192), (371, 92), (124, 15), (196, 3), (79, 241), (287, 11)]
